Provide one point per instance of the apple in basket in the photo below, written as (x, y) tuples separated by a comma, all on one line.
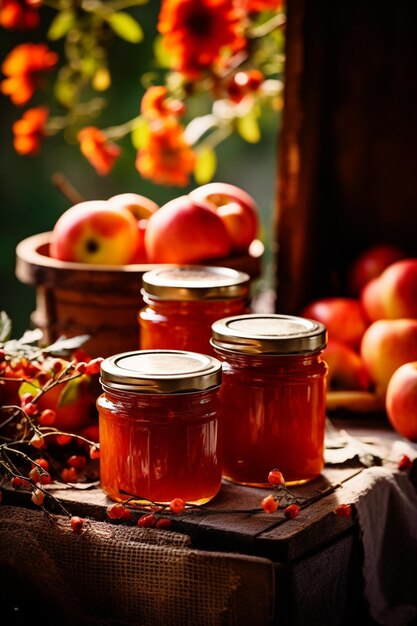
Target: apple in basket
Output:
[(185, 231), (142, 208), (236, 208), (95, 232)]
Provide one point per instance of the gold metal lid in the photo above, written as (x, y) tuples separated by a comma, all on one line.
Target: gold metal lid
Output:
[(160, 371), (269, 334), (195, 282)]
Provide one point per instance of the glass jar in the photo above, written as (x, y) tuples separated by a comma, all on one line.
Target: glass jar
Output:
[(182, 303), (159, 426), (273, 396)]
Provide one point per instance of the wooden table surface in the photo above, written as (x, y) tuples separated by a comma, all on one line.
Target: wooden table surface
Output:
[(317, 550)]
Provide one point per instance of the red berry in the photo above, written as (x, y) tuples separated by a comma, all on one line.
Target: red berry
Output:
[(69, 475), (93, 367), (38, 497), (163, 523), (275, 477), (63, 440), (77, 461), (26, 398), (30, 409), (94, 452), (37, 441), (147, 521), (291, 511), (45, 479), (343, 510), (81, 367), (77, 523), (57, 366), (270, 504), (47, 417), (118, 511), (43, 463), (177, 505), (404, 462), (34, 475), (16, 482)]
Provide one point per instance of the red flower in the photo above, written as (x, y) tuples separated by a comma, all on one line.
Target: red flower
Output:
[(156, 103), (19, 14), (95, 148), (256, 6), (165, 157), (22, 66), (30, 130), (196, 34)]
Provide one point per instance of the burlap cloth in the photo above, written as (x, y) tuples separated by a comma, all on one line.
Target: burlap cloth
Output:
[(387, 512), (128, 575)]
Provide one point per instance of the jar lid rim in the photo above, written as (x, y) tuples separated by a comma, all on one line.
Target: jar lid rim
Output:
[(161, 371), (195, 282), (273, 333)]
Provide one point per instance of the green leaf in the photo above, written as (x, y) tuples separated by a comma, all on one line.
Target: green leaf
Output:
[(248, 127), (162, 57), (5, 326), (139, 134), (31, 388), (205, 166), (70, 392), (125, 26), (61, 25)]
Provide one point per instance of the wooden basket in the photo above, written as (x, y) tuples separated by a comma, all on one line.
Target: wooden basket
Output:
[(101, 301)]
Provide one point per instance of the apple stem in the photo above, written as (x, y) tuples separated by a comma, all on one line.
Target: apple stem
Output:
[(66, 188)]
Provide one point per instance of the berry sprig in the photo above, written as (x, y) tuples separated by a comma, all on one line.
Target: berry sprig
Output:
[(27, 373)]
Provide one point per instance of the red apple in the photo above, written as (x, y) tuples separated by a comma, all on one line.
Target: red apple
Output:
[(370, 264), (344, 318), (398, 289), (184, 231), (94, 232), (346, 368), (387, 344), (371, 300), (235, 207), (142, 208), (401, 400)]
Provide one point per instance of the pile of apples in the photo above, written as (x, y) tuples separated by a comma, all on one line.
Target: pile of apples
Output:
[(213, 221), (373, 333)]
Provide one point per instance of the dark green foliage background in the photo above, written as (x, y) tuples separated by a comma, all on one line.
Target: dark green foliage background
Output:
[(31, 204)]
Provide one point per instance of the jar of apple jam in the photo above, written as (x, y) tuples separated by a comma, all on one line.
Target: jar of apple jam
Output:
[(159, 426), (272, 395), (182, 302)]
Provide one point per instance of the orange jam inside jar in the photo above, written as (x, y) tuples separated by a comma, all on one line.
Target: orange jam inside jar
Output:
[(273, 397), (182, 302), (159, 426)]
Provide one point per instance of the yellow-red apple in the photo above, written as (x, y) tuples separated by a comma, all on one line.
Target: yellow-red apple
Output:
[(142, 208), (398, 289), (370, 264), (94, 232), (387, 344), (371, 300), (184, 231), (346, 368), (235, 207), (344, 318), (401, 400)]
